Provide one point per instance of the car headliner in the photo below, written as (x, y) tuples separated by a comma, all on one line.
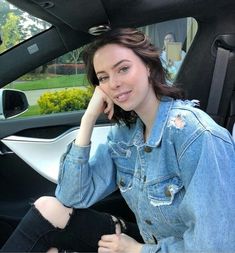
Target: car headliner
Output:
[(80, 15)]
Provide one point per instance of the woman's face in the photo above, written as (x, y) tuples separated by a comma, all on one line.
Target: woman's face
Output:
[(123, 77), (168, 38)]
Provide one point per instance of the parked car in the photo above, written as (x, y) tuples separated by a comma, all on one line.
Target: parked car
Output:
[(49, 34)]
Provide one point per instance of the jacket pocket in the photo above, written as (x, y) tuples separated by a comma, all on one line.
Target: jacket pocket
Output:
[(166, 196), (164, 192)]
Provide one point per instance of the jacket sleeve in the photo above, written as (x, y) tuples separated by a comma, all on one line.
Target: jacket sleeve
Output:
[(208, 207), (83, 182)]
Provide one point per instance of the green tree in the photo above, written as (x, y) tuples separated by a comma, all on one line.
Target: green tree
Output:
[(11, 33), (4, 10), (76, 56), (17, 25)]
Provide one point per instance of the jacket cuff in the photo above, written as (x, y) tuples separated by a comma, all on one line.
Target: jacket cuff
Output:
[(79, 154)]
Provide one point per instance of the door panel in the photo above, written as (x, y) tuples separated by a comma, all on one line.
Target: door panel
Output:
[(43, 155), (30, 151), (48, 126)]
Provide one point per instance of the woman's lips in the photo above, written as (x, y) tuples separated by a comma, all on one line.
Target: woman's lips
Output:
[(122, 97)]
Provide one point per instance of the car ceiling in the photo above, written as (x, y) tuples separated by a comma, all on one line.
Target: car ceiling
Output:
[(80, 15)]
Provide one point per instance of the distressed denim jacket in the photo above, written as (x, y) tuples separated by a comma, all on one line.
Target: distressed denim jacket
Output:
[(180, 183)]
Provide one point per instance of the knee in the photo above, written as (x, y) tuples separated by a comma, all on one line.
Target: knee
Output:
[(46, 203), (53, 210)]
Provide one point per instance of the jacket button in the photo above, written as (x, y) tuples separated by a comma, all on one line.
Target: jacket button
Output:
[(122, 182), (147, 149), (149, 222)]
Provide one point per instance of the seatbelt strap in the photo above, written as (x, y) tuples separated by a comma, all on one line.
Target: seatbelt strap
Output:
[(218, 78)]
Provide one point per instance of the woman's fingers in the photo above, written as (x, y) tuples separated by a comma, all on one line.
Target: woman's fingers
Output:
[(109, 108), (104, 244), (109, 238), (99, 103), (108, 243), (103, 250), (119, 243)]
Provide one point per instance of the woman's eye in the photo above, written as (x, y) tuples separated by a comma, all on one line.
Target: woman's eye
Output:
[(124, 69), (102, 79)]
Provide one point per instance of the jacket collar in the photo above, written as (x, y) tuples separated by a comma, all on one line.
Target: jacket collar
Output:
[(159, 124)]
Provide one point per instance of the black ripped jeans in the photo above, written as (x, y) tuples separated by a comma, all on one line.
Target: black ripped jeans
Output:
[(81, 234)]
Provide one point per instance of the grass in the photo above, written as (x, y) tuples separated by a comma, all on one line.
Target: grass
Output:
[(51, 82), (33, 110)]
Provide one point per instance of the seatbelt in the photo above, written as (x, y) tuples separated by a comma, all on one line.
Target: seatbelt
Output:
[(218, 78)]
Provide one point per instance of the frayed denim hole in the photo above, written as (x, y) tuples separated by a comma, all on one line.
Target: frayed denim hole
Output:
[(112, 223), (57, 228), (121, 223), (68, 222), (38, 212), (43, 218)]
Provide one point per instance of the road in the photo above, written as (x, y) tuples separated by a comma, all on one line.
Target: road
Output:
[(33, 95)]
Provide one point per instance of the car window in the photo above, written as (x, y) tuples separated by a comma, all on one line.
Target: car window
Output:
[(57, 86), (173, 38), (17, 25), (61, 85)]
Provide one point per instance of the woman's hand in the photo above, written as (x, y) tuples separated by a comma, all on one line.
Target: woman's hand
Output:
[(100, 103), (118, 243)]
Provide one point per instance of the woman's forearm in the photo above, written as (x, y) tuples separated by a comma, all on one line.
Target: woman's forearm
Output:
[(84, 135)]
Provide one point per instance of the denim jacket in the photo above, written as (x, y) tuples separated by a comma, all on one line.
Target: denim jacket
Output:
[(180, 183)]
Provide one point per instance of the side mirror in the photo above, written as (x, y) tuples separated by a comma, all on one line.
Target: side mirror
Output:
[(12, 103)]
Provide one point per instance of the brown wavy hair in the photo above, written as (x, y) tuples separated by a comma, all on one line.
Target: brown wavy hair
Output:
[(140, 44)]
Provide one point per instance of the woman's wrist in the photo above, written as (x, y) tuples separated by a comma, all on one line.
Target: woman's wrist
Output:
[(88, 119), (84, 135)]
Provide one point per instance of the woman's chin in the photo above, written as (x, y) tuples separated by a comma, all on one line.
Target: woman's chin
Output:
[(125, 108)]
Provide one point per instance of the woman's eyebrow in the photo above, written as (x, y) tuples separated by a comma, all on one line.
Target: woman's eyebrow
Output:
[(118, 63), (114, 66)]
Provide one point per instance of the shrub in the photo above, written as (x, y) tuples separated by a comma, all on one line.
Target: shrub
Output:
[(64, 100)]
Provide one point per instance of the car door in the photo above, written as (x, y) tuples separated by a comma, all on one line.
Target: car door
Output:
[(30, 151)]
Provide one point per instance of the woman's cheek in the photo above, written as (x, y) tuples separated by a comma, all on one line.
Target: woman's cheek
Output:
[(105, 89)]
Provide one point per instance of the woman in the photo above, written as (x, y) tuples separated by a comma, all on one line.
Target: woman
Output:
[(172, 163), (171, 66)]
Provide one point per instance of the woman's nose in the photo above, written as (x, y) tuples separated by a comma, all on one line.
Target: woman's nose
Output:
[(114, 82)]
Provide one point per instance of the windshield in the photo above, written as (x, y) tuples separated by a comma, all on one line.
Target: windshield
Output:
[(17, 25)]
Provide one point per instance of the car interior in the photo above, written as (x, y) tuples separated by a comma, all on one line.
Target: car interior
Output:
[(206, 74)]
